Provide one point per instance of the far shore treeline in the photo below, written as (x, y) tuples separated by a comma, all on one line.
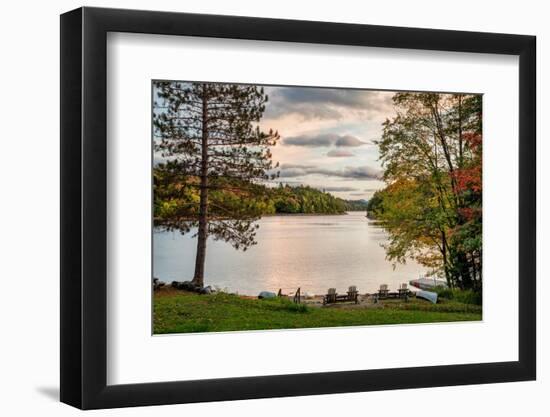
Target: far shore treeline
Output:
[(173, 194)]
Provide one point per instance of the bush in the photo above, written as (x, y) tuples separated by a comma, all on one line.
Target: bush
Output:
[(468, 296), (461, 296), (285, 304), (297, 308), (443, 292)]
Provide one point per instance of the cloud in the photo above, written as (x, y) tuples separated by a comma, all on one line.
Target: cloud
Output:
[(339, 153), (292, 172), (348, 141), (362, 172), (291, 166), (326, 139), (324, 103), (323, 140)]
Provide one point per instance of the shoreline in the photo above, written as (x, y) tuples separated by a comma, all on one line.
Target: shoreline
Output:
[(305, 215), (310, 214), (306, 293), (305, 297), (301, 214)]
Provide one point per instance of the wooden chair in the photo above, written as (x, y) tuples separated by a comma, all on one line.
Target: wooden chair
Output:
[(383, 291), (353, 294), (330, 297), (403, 290)]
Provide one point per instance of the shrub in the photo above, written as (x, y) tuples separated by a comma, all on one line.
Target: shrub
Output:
[(468, 296), (461, 296), (285, 304)]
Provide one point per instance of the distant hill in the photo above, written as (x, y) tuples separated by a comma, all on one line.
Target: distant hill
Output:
[(356, 205), (287, 199), (303, 199), (176, 196)]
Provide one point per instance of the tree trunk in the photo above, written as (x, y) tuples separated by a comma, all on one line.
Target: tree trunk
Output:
[(202, 235), (460, 142), (465, 273), (445, 260), (474, 271)]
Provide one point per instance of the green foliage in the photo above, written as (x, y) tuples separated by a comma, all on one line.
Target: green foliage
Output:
[(461, 296), (374, 206), (305, 200), (233, 206), (432, 158)]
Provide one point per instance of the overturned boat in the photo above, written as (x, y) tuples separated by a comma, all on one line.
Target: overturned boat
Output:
[(427, 295), (427, 283)]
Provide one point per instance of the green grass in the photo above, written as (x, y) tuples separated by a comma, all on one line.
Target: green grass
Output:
[(180, 312)]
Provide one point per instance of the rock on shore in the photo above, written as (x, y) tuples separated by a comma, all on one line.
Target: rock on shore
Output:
[(189, 286)]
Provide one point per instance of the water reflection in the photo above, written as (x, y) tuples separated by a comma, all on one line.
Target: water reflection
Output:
[(311, 252)]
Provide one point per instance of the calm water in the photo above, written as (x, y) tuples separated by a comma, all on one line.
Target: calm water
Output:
[(311, 252)]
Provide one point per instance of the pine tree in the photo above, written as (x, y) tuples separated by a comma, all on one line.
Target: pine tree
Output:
[(213, 149)]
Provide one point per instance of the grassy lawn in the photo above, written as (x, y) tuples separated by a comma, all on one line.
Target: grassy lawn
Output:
[(181, 312)]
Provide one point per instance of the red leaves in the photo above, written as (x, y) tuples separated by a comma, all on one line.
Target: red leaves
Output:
[(468, 179), (470, 213), (473, 140)]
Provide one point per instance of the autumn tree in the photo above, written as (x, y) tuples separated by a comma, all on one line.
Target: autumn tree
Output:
[(431, 154), (213, 156)]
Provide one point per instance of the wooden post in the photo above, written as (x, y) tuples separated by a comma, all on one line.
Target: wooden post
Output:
[(297, 296)]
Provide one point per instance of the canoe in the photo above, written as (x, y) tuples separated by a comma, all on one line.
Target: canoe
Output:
[(266, 294), (427, 283), (427, 295)]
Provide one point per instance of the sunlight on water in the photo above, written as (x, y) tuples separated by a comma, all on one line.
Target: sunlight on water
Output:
[(311, 252)]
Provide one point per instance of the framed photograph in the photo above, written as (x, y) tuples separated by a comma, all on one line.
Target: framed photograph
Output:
[(256, 208)]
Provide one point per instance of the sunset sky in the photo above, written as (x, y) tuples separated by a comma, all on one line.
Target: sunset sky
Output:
[(327, 137)]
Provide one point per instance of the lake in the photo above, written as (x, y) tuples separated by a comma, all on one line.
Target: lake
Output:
[(311, 252)]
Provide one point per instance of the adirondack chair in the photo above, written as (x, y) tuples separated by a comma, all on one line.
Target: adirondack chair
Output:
[(403, 291), (330, 297), (353, 294), (383, 291)]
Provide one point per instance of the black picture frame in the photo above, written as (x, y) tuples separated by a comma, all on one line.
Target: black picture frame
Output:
[(84, 207)]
